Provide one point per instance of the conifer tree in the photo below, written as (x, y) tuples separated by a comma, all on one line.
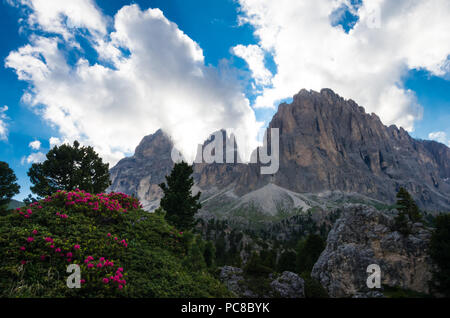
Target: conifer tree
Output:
[(178, 202)]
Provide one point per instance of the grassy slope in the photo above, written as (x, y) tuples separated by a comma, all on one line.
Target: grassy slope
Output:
[(154, 262)]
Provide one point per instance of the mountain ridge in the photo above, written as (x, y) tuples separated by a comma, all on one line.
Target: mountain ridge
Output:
[(327, 143)]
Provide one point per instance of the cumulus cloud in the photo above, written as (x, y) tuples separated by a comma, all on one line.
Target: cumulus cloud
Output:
[(35, 145), (312, 50), (254, 56), (439, 136), (36, 157), (3, 128), (148, 75)]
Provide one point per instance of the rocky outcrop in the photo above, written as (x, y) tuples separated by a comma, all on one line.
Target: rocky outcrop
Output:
[(288, 285), (363, 236), (141, 174)]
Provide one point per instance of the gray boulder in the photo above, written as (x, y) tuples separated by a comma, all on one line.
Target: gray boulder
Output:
[(365, 236)]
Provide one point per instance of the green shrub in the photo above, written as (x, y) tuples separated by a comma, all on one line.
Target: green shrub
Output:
[(133, 253)]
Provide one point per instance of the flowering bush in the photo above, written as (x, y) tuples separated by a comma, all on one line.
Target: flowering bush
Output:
[(121, 250)]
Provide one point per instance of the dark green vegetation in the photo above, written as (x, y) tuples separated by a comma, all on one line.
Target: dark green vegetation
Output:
[(440, 253), (408, 211), (68, 168), (8, 185), (178, 202), (133, 253)]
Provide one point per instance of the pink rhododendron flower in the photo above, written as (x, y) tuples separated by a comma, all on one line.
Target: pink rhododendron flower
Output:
[(35, 232), (69, 254), (58, 250), (30, 239), (52, 246), (99, 265), (105, 280), (22, 248), (26, 216), (90, 265), (29, 211), (109, 234), (23, 262), (82, 281), (120, 286), (76, 247)]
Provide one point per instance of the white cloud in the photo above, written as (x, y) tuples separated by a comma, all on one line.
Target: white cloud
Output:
[(254, 56), (162, 83), (63, 17), (36, 157), (367, 64), (439, 136), (35, 145), (3, 128)]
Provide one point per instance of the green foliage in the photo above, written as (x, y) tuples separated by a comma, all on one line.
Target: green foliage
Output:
[(440, 253), (308, 251), (407, 211), (313, 289), (397, 292), (178, 202), (254, 267), (8, 184), (67, 168), (37, 243), (287, 262)]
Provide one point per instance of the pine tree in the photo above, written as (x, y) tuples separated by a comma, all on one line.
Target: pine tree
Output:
[(308, 252), (440, 254), (8, 185), (407, 205), (407, 211), (178, 202), (68, 168)]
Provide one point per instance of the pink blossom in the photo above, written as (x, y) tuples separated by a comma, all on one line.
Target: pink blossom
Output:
[(23, 262), (105, 280), (120, 269), (120, 286), (109, 234), (82, 281), (29, 211), (99, 265), (30, 239), (35, 232), (26, 216), (43, 257), (22, 248), (58, 250), (76, 247), (69, 254), (52, 246), (90, 265)]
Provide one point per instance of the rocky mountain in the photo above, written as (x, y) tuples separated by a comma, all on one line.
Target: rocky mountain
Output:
[(331, 152), (363, 236), (141, 174)]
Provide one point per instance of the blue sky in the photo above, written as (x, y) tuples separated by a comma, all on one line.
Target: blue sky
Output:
[(215, 27)]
